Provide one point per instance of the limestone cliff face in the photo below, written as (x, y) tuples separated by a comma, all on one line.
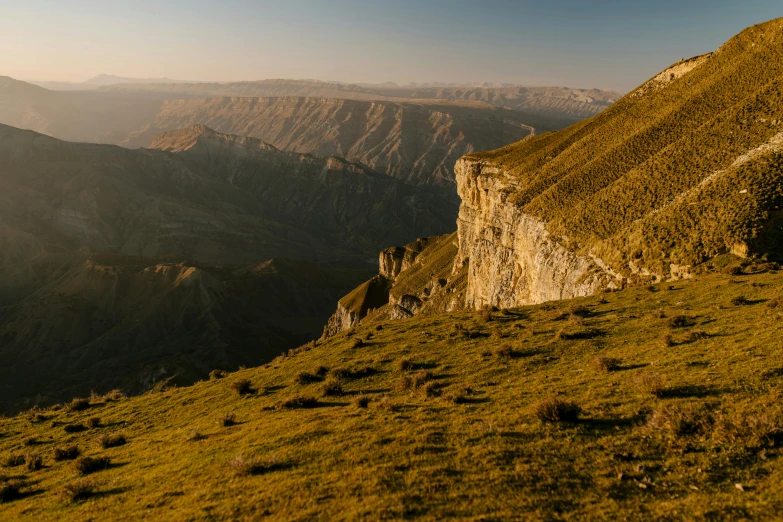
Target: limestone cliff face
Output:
[(513, 260)]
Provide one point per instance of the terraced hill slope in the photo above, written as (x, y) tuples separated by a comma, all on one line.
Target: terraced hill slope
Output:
[(669, 409), (416, 143), (562, 103), (684, 168)]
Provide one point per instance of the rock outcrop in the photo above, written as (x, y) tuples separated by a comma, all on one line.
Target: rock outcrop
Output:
[(513, 260)]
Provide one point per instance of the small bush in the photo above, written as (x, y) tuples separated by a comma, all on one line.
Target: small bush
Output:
[(580, 311), (696, 335), (485, 314), (740, 301), (87, 465), (33, 461), (776, 302), (307, 378), (217, 374), (405, 364), (651, 383), (679, 321), (607, 364), (242, 387), (332, 388), (357, 343), (10, 490), (504, 352), (299, 402), (430, 389), (79, 489), (195, 436), (556, 410), (79, 405), (667, 340), (30, 441), (733, 270), (227, 420), (67, 453), (244, 466), (14, 460), (582, 333), (458, 394), (74, 428), (111, 440), (361, 401), (678, 421), (114, 395), (94, 422)]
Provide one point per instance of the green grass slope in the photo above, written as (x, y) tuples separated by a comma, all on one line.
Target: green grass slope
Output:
[(684, 168), (446, 416)]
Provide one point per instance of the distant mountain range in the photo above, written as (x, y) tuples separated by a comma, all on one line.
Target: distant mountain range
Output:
[(101, 80)]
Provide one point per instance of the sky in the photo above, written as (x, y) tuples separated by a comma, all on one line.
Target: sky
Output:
[(606, 44)]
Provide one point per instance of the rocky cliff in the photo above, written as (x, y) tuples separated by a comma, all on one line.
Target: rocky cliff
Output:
[(513, 259)]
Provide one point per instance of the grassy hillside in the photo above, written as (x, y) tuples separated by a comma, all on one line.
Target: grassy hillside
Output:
[(686, 167), (438, 416)]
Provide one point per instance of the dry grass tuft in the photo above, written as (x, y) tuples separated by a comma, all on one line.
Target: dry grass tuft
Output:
[(557, 410), (650, 383), (66, 453), (10, 489), (87, 465), (332, 388), (78, 405), (79, 489), (111, 440), (242, 387), (607, 364), (299, 402)]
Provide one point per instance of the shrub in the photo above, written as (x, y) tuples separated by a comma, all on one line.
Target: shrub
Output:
[(458, 394), (67, 453), (298, 402), (361, 401), (114, 395), (679, 321), (405, 364), (227, 420), (94, 422), (683, 420), (13, 460), (556, 410), (30, 441), (430, 389), (74, 428), (10, 490), (79, 404), (580, 311), (607, 364), (485, 314), (733, 270), (504, 352), (217, 374), (332, 388), (740, 301), (243, 466), (751, 431), (582, 333), (775, 302), (79, 489), (111, 440), (667, 340), (195, 436), (242, 387), (651, 383), (696, 335), (307, 378), (33, 461), (357, 343), (87, 465)]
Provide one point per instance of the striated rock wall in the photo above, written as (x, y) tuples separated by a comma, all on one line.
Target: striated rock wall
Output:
[(513, 260)]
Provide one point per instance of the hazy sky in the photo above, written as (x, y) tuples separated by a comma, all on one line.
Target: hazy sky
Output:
[(580, 43)]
